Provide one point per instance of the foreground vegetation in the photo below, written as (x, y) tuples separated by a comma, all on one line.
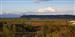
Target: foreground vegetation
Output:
[(36, 28)]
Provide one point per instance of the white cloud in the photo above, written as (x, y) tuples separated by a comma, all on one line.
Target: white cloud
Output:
[(47, 9), (55, 11), (40, 0)]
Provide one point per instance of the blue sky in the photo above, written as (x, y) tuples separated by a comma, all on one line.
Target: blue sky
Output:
[(31, 0), (33, 7)]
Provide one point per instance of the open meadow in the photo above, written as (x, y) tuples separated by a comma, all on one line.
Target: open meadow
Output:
[(21, 27)]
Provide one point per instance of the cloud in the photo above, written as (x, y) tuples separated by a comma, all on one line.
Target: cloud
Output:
[(52, 0), (55, 11), (40, 0), (47, 9)]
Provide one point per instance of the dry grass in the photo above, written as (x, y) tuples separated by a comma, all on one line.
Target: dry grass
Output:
[(49, 27)]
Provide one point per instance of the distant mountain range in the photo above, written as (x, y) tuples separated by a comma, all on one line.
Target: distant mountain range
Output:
[(50, 16), (37, 16), (9, 16)]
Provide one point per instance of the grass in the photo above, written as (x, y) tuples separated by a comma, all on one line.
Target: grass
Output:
[(49, 27)]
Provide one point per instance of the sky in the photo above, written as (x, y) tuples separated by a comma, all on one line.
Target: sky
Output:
[(37, 7)]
